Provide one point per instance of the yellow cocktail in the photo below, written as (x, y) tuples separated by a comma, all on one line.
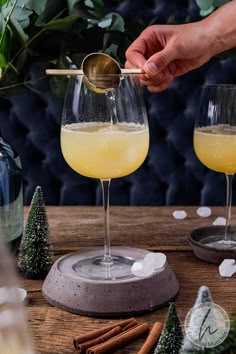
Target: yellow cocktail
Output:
[(104, 151), (215, 147), (104, 135)]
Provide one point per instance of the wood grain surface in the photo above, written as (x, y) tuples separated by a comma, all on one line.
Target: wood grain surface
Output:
[(152, 228)]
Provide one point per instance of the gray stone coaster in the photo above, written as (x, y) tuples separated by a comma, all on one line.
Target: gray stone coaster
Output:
[(67, 289)]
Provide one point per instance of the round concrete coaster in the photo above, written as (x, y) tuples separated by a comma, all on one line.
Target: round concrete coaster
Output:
[(204, 244), (65, 288)]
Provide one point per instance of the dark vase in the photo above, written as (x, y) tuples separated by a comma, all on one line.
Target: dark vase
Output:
[(11, 196)]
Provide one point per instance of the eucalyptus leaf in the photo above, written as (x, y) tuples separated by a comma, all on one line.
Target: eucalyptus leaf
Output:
[(88, 8), (205, 4), (70, 4), (51, 10), (112, 50), (171, 20), (187, 19), (20, 14), (94, 3), (118, 23), (62, 24), (19, 10), (204, 13), (96, 6), (3, 61), (38, 6), (5, 40), (113, 37), (112, 21), (219, 3), (2, 22), (22, 3), (18, 31), (105, 23), (83, 10), (16, 18)]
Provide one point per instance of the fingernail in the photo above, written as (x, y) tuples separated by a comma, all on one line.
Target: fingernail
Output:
[(151, 68)]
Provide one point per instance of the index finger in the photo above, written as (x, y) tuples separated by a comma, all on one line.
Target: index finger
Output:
[(135, 53)]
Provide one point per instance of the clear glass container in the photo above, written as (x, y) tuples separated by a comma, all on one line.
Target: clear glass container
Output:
[(11, 195), (15, 337)]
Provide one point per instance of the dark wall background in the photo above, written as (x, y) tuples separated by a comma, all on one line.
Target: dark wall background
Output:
[(171, 174)]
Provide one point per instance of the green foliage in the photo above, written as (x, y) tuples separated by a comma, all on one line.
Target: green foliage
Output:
[(54, 32), (35, 257), (63, 31), (208, 6), (171, 338)]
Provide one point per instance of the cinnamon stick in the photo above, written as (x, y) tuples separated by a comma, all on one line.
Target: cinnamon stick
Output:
[(98, 332), (90, 343), (120, 340), (130, 325), (152, 338)]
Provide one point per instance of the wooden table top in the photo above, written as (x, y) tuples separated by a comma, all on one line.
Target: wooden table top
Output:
[(152, 228)]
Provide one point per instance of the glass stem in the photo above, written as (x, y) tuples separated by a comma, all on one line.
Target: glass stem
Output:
[(107, 259), (229, 181)]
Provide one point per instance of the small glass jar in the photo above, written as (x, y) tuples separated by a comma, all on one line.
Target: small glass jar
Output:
[(11, 195)]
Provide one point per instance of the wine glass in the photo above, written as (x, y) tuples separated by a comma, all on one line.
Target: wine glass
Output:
[(215, 144), (104, 135)]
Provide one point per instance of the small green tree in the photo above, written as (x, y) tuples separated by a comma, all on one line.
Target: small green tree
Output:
[(171, 339), (35, 256)]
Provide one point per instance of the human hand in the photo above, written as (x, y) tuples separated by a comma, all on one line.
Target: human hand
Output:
[(164, 52)]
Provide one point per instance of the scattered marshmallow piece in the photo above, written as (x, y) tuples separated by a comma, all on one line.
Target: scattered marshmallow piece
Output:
[(219, 221), (227, 268), (179, 214), (155, 260), (21, 294), (204, 212), (12, 295), (139, 269)]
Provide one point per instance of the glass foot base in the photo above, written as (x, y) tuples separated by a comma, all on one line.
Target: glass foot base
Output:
[(222, 244), (217, 242), (95, 268)]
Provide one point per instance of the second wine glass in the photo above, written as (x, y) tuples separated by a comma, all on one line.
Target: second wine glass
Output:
[(104, 135), (215, 144)]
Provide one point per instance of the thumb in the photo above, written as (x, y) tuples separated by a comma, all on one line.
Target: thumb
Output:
[(159, 61)]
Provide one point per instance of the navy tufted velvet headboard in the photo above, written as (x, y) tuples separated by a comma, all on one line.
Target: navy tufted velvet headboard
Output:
[(171, 174)]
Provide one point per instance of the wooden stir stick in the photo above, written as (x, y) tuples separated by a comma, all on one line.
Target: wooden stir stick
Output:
[(80, 72)]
